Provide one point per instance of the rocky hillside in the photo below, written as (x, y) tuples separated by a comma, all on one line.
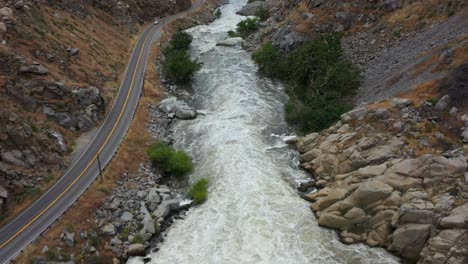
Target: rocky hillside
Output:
[(60, 65)]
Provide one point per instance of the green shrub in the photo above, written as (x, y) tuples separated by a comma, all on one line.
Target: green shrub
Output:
[(198, 191), (269, 61), (247, 27), (180, 40), (178, 64), (319, 80), (177, 163), (180, 67), (180, 164), (159, 152)]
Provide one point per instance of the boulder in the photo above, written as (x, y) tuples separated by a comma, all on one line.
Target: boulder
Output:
[(3, 193), (251, 9), (370, 171), (400, 103), (230, 42), (165, 208), (136, 250), (6, 12), (108, 229), (369, 192), (181, 110), (3, 28), (153, 196), (334, 220), (305, 144), (147, 222), (408, 213), (126, 217), (409, 240), (357, 113), (464, 135), (332, 197), (443, 103), (68, 238), (458, 218), (37, 69), (286, 39)]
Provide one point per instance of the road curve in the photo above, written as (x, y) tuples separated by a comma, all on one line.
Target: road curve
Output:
[(27, 226)]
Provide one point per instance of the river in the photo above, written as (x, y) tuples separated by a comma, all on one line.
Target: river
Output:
[(253, 213)]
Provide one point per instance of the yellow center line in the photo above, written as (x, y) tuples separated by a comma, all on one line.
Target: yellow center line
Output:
[(93, 159)]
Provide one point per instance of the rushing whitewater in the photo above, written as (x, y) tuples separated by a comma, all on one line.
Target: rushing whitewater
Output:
[(253, 214)]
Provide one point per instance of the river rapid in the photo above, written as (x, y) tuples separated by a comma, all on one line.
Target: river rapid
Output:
[(253, 213)]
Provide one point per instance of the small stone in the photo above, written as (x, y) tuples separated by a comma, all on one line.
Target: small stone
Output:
[(45, 249), (126, 217), (108, 229)]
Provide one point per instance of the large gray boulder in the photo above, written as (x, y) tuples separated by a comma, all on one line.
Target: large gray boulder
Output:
[(409, 240)]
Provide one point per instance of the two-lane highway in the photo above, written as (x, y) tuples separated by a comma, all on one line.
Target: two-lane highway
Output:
[(51, 205)]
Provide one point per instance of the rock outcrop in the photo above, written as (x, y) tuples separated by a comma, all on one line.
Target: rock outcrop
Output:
[(403, 189), (75, 109)]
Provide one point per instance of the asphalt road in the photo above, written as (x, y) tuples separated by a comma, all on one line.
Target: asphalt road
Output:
[(27, 226)]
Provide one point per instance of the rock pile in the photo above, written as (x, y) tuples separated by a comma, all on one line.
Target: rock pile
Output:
[(132, 219), (386, 178)]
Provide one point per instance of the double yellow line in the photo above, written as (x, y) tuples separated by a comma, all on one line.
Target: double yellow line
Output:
[(95, 156)]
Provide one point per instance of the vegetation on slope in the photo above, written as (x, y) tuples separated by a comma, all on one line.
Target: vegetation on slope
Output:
[(319, 80), (178, 64)]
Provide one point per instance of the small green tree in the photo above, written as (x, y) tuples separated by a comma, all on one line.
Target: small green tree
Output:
[(247, 27)]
